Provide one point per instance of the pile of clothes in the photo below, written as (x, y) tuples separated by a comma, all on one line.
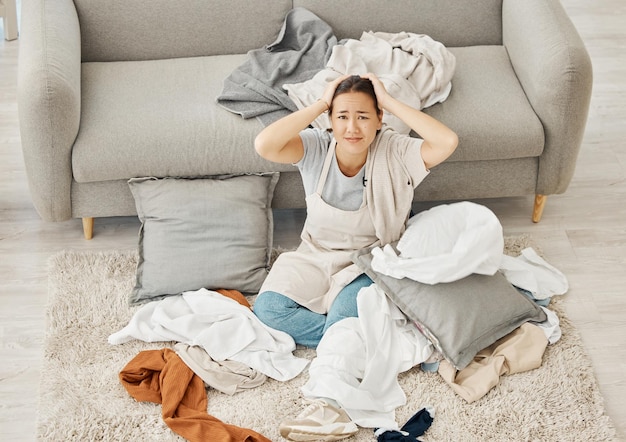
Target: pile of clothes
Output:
[(358, 359), (220, 343), (292, 72)]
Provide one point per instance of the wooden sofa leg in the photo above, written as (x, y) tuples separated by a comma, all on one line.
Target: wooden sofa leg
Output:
[(540, 202), (88, 227)]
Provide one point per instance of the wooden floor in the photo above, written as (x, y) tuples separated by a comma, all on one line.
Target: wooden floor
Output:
[(583, 232)]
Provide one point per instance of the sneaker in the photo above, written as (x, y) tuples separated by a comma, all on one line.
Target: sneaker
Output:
[(318, 421)]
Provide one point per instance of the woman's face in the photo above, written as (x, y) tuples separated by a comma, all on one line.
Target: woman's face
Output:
[(354, 120)]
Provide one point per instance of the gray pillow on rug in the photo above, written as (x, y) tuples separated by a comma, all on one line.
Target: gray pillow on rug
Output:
[(462, 317), (211, 232)]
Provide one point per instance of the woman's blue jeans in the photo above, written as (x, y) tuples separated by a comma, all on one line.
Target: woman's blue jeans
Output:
[(305, 326)]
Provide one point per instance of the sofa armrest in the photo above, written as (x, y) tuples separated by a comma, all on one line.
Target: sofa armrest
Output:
[(555, 70), (49, 101)]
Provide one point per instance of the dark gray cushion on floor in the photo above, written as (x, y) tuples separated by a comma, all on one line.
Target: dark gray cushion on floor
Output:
[(460, 318)]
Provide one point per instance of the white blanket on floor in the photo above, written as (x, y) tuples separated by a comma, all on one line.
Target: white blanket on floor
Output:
[(359, 359), (224, 328)]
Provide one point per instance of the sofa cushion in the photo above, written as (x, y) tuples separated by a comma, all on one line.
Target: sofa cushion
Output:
[(487, 107), (202, 233), (160, 118)]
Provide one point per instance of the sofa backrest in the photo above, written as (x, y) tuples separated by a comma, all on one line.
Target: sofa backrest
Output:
[(451, 22), (118, 30)]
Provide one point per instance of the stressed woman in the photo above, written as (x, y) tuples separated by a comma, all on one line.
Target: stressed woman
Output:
[(359, 181)]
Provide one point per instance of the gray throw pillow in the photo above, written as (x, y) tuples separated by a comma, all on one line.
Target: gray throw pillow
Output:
[(211, 232), (462, 317)]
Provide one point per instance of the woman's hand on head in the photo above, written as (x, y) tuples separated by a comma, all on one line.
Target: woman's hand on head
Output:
[(379, 89), (331, 87)]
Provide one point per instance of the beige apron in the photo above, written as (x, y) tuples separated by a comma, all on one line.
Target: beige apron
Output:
[(314, 274)]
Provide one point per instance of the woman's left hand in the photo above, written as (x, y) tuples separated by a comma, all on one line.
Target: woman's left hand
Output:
[(329, 92), (379, 89), (439, 140)]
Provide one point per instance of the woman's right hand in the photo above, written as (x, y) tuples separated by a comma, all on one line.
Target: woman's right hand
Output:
[(379, 89), (329, 92), (280, 142)]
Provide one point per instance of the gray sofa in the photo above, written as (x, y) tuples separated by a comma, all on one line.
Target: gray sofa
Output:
[(120, 89)]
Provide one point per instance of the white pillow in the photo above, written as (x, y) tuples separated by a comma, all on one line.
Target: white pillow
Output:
[(444, 244)]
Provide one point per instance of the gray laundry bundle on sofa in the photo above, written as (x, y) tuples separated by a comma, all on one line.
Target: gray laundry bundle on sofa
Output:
[(302, 48)]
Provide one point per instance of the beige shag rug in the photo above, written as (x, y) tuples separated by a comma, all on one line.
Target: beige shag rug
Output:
[(81, 398)]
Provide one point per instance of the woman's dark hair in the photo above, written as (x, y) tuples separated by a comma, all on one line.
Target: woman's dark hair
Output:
[(355, 83)]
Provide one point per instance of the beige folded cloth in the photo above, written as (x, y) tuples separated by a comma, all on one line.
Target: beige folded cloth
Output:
[(519, 351), (229, 377)]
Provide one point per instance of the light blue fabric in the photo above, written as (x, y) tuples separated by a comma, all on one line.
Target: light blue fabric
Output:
[(430, 367), (305, 326), (529, 295)]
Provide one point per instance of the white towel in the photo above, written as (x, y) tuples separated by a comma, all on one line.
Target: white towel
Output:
[(531, 272)]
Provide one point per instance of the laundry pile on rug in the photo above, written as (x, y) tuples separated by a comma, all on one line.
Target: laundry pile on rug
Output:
[(358, 360)]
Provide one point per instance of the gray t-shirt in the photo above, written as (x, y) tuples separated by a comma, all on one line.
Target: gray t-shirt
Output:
[(340, 191)]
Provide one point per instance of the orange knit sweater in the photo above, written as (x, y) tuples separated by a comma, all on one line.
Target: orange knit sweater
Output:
[(161, 376)]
